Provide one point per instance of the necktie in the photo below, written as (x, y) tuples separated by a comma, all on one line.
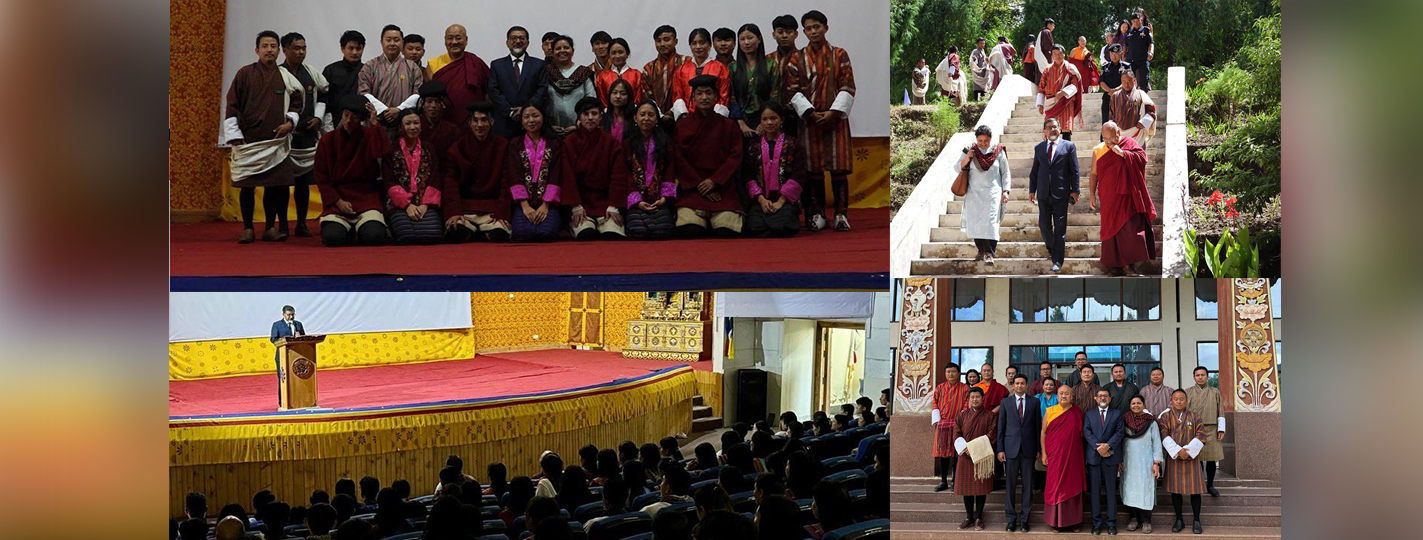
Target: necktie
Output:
[(1104, 416), (518, 71), (1049, 150), (291, 328), (1020, 409)]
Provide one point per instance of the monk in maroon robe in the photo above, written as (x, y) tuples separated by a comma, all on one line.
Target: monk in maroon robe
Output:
[(346, 174), (600, 173), (1126, 208), (708, 155), (1066, 467), (476, 204), (464, 73)]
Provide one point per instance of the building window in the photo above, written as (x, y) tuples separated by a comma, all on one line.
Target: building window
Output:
[(1208, 356), (969, 299), (1205, 300), (970, 358), (1138, 359), (898, 299), (1275, 298), (1084, 300)]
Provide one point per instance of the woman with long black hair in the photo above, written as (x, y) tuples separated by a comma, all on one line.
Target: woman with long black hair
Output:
[(755, 80)]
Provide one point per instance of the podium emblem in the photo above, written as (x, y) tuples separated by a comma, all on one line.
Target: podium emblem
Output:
[(303, 368)]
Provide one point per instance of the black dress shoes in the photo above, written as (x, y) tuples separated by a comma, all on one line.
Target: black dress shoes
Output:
[(1025, 526), (1096, 531), (1011, 527), (1196, 526), (1213, 491), (1112, 530), (1178, 526), (942, 486)]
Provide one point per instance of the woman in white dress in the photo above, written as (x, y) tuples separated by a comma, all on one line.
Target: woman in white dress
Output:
[(1141, 465), (988, 186)]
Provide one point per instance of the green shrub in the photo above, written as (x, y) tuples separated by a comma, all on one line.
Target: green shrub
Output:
[(1247, 163), (1218, 101), (945, 121)]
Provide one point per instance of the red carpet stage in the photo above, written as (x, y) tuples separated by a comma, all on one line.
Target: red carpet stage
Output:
[(227, 440), (387, 389), (206, 256)]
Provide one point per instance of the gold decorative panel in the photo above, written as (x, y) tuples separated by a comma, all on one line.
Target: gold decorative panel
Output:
[(519, 320), (673, 325)]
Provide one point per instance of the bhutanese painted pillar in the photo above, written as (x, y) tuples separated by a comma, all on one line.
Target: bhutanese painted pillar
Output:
[(1249, 378), (924, 348)]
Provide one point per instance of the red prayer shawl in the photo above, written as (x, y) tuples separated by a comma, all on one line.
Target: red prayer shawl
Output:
[(1066, 463), (1138, 424), (983, 160), (1121, 183)]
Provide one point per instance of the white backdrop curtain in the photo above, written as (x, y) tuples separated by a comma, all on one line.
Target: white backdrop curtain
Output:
[(230, 315), (861, 27), (796, 305)]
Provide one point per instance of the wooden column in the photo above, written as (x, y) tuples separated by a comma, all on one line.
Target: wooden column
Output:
[(924, 347), (1249, 382)]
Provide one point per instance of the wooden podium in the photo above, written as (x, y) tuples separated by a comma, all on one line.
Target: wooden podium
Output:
[(296, 378)]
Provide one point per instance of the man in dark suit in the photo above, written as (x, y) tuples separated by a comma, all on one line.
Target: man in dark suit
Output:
[(1103, 430), (515, 81), (1019, 424), (287, 327), (1055, 174)]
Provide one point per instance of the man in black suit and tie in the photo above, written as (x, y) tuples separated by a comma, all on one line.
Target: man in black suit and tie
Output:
[(287, 327), (515, 81), (1019, 425), (1055, 172), (1103, 429)]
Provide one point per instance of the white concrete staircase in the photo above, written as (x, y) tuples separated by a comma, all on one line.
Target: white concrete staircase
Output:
[(1020, 248)]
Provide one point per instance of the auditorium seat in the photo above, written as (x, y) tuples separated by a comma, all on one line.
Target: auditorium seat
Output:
[(699, 484), (589, 511), (620, 526), (744, 501), (859, 501), (836, 444), (488, 512), (837, 464), (424, 498), (495, 526), (645, 499), (706, 474), (875, 529), (519, 520), (855, 434), (688, 510), (643, 536), (877, 427), (406, 536), (868, 444), (297, 530), (492, 537), (806, 515), (849, 479)]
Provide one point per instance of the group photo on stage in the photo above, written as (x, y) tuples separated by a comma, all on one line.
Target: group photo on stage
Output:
[(443, 125), (508, 415), (995, 167), (1054, 405)]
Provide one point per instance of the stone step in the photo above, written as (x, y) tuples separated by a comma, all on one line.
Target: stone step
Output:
[(1028, 220), (1221, 481), (1032, 136), (701, 411), (1024, 234), (1017, 267), (951, 511), (1154, 182), (950, 531), (1023, 206), (1236, 496), (1156, 95), (1011, 250), (1030, 117), (707, 424), (1021, 194), (697, 400), (1022, 164)]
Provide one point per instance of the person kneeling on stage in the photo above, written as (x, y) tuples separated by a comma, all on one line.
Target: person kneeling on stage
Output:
[(708, 155), (535, 173), (772, 165), (346, 171), (474, 196), (410, 172), (600, 175), (652, 190)]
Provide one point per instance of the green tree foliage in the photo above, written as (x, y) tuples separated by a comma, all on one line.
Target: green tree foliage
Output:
[(1247, 163), (926, 28)]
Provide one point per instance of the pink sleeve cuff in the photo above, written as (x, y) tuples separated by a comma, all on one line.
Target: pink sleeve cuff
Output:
[(753, 189), (519, 192), (431, 196), (398, 196), (669, 190), (633, 199), (551, 194), (791, 190)]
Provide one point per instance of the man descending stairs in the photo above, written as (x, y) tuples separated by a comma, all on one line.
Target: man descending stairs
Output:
[(1020, 247)]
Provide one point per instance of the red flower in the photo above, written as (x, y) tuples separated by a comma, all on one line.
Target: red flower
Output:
[(1232, 213), (1216, 198)]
